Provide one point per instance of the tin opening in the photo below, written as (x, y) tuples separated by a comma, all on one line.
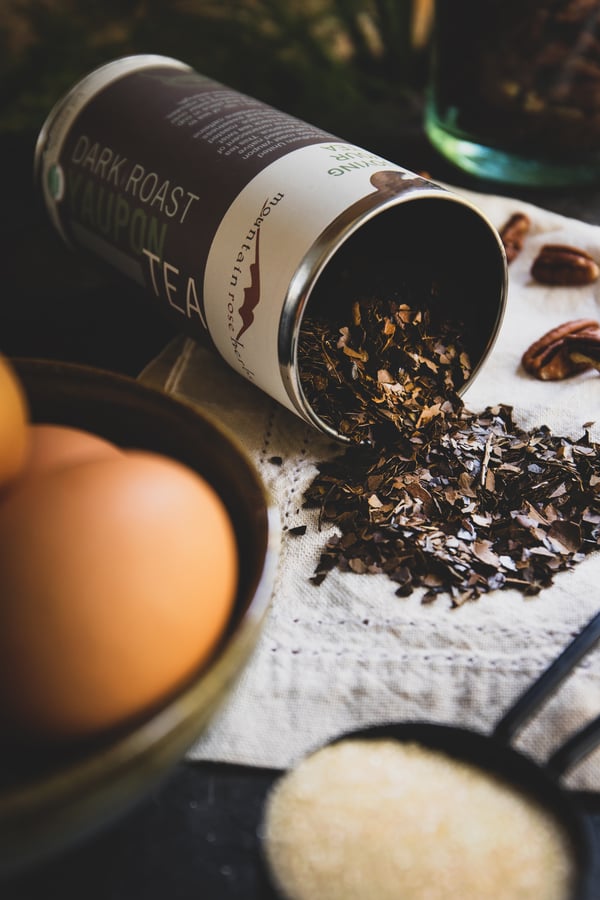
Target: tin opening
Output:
[(440, 252)]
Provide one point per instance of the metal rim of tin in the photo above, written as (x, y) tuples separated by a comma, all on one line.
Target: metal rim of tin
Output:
[(315, 261)]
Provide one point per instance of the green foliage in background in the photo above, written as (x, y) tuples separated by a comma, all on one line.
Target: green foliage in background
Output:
[(346, 65)]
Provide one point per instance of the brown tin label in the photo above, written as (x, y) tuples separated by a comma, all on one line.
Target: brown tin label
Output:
[(149, 166)]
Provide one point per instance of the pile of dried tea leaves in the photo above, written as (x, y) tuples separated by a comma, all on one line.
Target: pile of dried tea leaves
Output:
[(385, 373), (428, 493)]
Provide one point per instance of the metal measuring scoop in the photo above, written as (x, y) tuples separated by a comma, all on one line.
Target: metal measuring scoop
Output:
[(495, 755)]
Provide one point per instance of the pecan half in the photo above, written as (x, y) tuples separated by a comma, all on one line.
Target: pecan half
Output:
[(513, 233), (583, 347), (550, 358), (561, 264)]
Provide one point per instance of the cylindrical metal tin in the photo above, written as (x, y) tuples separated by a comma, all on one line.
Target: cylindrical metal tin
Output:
[(228, 211)]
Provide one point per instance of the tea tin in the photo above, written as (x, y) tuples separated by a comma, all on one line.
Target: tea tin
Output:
[(228, 211)]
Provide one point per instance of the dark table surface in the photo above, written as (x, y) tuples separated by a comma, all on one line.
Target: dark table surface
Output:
[(197, 835)]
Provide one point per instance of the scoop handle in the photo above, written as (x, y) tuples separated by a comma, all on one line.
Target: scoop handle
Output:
[(544, 687), (574, 749)]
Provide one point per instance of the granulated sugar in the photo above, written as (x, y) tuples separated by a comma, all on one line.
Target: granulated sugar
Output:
[(383, 820)]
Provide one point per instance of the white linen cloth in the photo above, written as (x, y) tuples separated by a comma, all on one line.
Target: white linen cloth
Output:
[(351, 653)]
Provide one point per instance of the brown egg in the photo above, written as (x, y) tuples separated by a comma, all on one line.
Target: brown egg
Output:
[(51, 446), (14, 416), (117, 579)]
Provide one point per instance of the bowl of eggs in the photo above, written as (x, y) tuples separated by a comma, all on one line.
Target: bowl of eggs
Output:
[(138, 551)]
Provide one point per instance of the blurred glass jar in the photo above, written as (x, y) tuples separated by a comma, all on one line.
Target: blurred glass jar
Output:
[(514, 92)]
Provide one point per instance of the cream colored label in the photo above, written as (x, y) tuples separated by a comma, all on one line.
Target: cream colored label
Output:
[(262, 240)]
